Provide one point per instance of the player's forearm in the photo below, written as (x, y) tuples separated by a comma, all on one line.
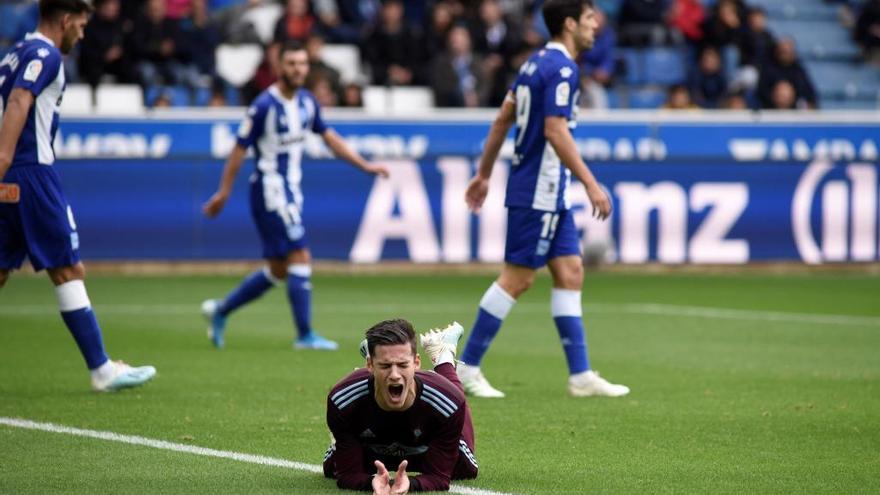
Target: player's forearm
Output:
[(495, 140), (341, 150), (568, 154), (13, 122), (230, 170)]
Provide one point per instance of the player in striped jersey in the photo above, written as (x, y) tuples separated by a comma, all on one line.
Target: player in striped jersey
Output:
[(275, 126), (393, 414), (35, 218), (540, 228)]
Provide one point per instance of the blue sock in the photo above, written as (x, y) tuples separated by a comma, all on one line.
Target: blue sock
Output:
[(299, 293), (567, 314), (254, 286), (494, 307), (77, 313)]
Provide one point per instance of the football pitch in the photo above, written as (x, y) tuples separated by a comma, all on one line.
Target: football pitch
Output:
[(740, 382)]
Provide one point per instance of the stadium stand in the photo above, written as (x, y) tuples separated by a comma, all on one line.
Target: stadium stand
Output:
[(823, 30)]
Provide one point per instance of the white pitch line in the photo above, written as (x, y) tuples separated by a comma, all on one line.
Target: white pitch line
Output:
[(192, 449), (656, 309)]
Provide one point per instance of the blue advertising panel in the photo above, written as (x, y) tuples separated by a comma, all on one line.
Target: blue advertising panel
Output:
[(684, 191)]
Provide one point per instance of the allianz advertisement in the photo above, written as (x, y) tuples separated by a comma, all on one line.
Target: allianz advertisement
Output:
[(695, 189)]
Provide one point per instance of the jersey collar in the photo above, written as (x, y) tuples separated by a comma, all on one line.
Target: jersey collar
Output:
[(36, 35), (280, 97), (555, 45)]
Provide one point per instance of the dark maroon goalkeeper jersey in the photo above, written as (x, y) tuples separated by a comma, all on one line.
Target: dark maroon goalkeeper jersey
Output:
[(435, 435)]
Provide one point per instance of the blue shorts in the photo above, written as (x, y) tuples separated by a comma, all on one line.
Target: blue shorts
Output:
[(535, 236), (40, 226), (278, 217)]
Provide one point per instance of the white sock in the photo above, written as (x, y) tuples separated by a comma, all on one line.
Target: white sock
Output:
[(466, 371), (497, 302), (445, 357), (104, 372)]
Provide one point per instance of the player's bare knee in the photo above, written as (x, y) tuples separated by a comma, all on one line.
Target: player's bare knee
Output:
[(65, 274)]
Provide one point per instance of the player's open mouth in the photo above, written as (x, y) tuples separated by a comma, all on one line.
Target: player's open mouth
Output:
[(396, 392)]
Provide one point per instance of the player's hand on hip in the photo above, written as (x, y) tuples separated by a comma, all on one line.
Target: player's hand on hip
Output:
[(214, 205), (376, 169), (476, 193), (600, 201), (380, 480), (401, 480)]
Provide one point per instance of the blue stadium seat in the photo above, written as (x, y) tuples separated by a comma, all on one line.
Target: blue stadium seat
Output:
[(844, 80), (665, 66), (633, 65), (647, 98), (818, 39)]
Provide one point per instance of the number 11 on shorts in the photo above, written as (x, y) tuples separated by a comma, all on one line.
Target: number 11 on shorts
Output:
[(549, 220)]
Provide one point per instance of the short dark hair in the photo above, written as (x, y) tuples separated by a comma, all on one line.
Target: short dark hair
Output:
[(391, 332), (556, 11), (50, 9), (290, 46)]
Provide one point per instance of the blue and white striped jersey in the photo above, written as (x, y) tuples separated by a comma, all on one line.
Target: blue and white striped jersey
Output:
[(547, 85), (34, 64), (276, 127)]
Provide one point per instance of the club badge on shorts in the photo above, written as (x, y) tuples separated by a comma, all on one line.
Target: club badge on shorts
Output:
[(9, 193)]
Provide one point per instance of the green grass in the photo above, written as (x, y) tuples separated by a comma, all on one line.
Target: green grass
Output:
[(720, 405)]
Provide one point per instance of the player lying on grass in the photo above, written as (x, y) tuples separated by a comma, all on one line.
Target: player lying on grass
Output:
[(393, 414), (540, 227), (276, 126), (35, 219)]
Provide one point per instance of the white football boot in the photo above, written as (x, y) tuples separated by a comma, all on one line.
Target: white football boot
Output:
[(590, 384), (440, 344), (119, 375), (475, 383)]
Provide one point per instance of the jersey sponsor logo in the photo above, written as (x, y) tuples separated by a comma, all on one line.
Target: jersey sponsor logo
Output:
[(563, 92), (32, 71), (397, 449)]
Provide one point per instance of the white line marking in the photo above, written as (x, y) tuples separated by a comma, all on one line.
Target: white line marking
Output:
[(523, 307), (192, 449)]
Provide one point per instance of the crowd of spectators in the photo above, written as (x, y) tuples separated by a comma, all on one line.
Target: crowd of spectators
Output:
[(466, 51)]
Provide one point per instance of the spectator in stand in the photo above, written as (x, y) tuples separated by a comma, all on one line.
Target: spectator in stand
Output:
[(394, 48), (319, 70), (641, 22), (155, 42), (783, 96), (785, 66), (597, 64), (296, 24), (344, 21), (178, 9), (200, 42), (724, 27), (867, 31), (708, 84), (353, 94), (497, 40), (758, 41), (457, 75), (102, 52), (233, 23), (265, 75), (678, 97), (322, 90), (442, 20), (687, 17)]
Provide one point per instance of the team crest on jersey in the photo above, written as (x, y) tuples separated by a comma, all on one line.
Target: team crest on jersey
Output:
[(566, 72), (43, 53), (563, 91), (32, 71)]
